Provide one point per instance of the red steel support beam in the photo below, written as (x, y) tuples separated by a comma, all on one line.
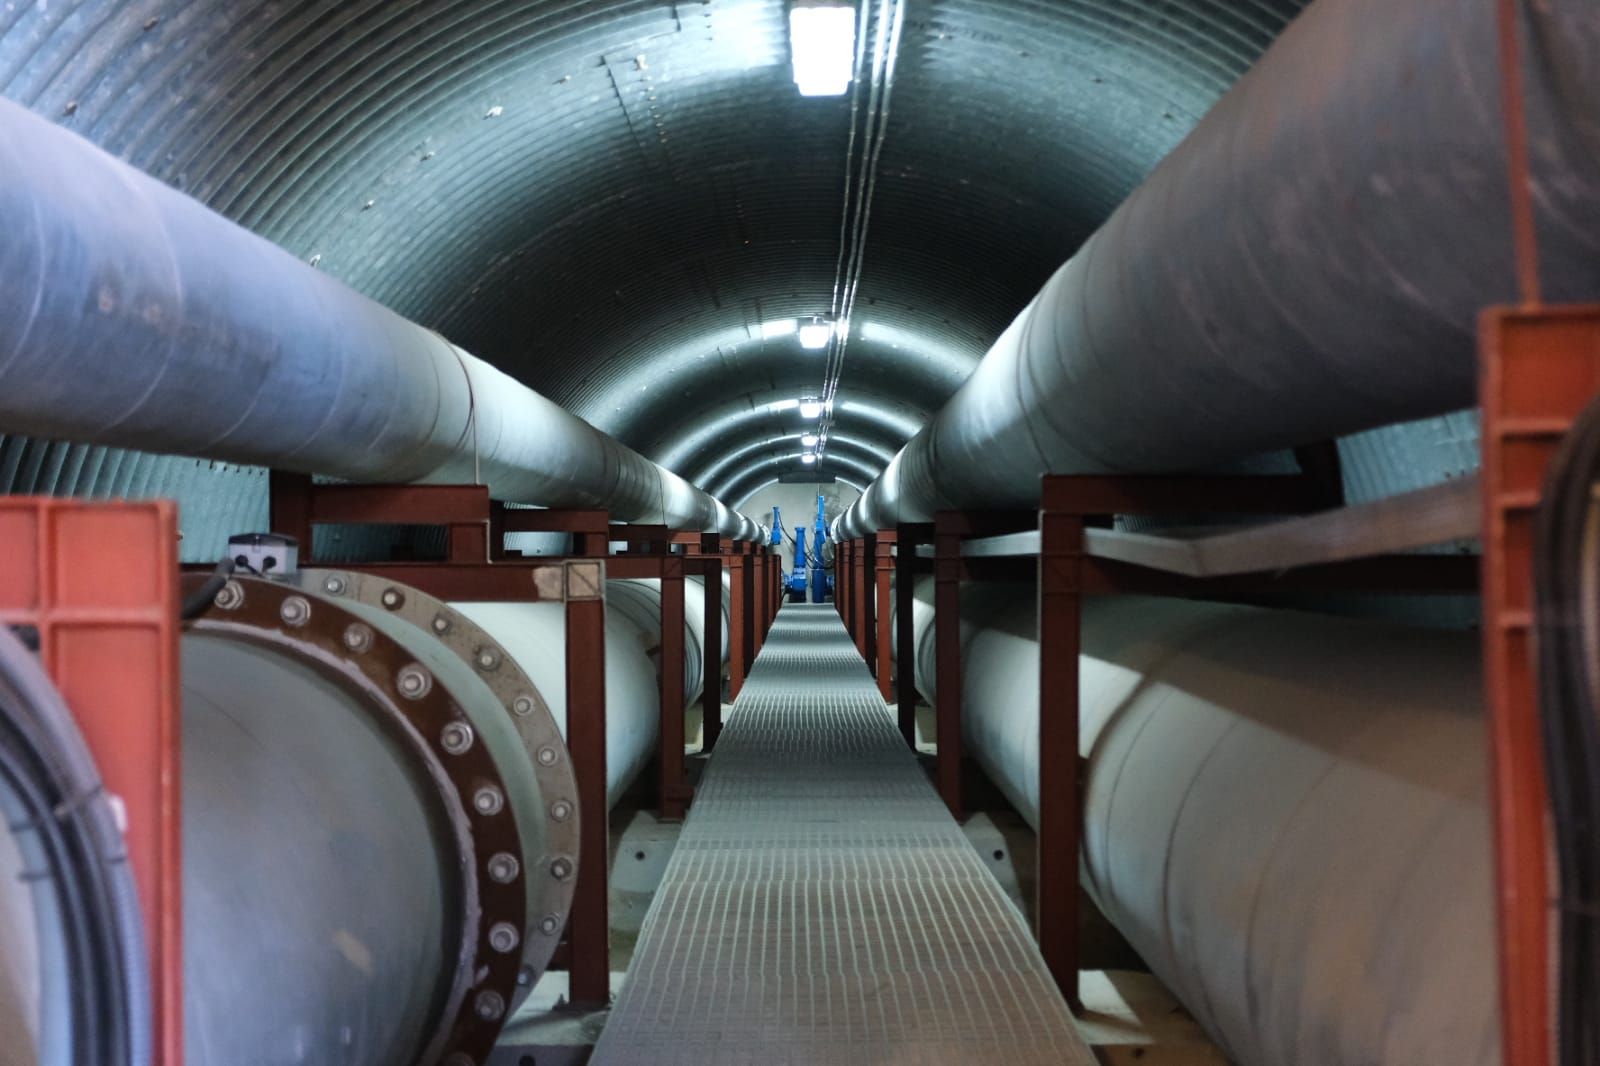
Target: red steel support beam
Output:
[(711, 695), (907, 537), (673, 791), (947, 536), (861, 563), (736, 614), (588, 928), (591, 530), (99, 584), (758, 594), (1538, 368), (778, 589), (289, 508), (883, 640), (747, 610), (841, 585), (497, 532), (1060, 814)]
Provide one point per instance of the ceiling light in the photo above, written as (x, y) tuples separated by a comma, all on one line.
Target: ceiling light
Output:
[(815, 334), (809, 458), (822, 39), (781, 328), (808, 440), (810, 408)]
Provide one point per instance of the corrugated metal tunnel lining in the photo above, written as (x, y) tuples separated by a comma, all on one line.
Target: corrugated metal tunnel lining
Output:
[(544, 240)]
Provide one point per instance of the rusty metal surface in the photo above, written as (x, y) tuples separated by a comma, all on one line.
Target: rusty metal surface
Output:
[(821, 906)]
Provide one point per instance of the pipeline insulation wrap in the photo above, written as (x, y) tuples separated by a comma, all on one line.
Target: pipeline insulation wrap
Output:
[(1284, 814)]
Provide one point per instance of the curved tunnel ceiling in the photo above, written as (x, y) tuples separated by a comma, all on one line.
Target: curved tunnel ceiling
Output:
[(609, 198)]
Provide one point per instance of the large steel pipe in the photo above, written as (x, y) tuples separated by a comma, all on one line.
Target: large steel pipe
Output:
[(372, 778), (1308, 262), (200, 338), (535, 634), (1284, 813)]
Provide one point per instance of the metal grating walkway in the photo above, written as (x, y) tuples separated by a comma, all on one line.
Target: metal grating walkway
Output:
[(821, 905)]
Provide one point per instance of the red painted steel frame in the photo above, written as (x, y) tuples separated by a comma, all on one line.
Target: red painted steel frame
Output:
[(1060, 815), (948, 527), (1063, 580), (738, 613), (297, 504), (709, 558), (861, 563), (673, 791), (99, 582), (589, 928), (907, 536), (883, 639), (1538, 369)]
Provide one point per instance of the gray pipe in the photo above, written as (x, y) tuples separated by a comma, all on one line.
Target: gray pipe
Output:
[(535, 636), (1309, 262), (319, 886), (1284, 813), (133, 316)]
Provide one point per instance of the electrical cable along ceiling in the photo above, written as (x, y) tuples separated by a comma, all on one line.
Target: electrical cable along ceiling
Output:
[(614, 200)]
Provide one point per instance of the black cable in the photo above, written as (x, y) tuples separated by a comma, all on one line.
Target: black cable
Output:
[(61, 816), (200, 600), (1567, 597)]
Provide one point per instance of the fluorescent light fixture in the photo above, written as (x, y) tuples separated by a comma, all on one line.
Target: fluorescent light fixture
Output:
[(809, 458), (810, 408), (815, 334), (808, 440), (781, 328), (788, 405), (822, 40)]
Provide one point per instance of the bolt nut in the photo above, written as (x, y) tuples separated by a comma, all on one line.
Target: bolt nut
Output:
[(522, 705), (455, 737), (230, 597), (357, 637), (549, 925), (488, 800), (441, 624), (413, 681), (503, 937), (561, 869), (488, 659), (524, 977), (295, 611), (334, 585), (393, 599), (504, 867), (547, 756), (560, 810), (489, 1005)]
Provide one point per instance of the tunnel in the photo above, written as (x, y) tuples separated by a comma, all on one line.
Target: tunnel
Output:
[(651, 477)]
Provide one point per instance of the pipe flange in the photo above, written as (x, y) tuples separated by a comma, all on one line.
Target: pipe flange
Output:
[(529, 714), (315, 628)]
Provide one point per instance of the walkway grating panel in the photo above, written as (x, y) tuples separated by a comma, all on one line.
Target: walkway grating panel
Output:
[(821, 905)]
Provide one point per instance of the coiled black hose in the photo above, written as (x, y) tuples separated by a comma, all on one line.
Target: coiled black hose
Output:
[(58, 803), (1567, 597)]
